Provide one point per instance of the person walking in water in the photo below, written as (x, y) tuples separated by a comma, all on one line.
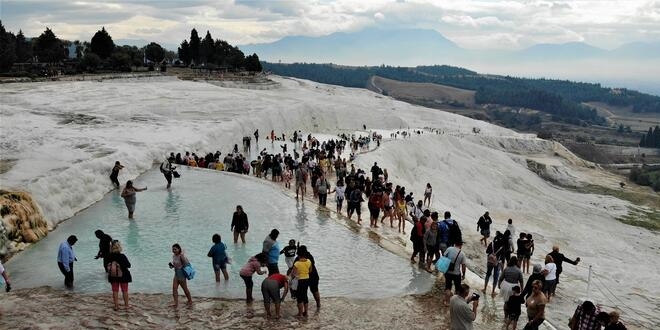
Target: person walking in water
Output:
[(65, 258), (559, 259), (179, 261), (272, 249), (114, 175), (167, 169), (252, 266), (129, 197), (239, 224), (105, 241), (118, 274), (219, 254), (256, 136)]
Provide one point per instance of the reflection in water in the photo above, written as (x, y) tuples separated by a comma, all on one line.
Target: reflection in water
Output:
[(133, 236), (172, 204), (301, 215)]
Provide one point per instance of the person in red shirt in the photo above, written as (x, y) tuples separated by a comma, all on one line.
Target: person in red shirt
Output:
[(270, 289)]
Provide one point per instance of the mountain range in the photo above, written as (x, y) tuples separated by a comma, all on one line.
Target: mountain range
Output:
[(632, 65)]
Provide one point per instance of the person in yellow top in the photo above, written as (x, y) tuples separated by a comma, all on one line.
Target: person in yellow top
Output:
[(192, 162), (301, 269), (219, 166)]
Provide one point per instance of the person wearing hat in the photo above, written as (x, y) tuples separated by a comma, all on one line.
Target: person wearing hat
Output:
[(536, 275), (65, 259), (456, 271)]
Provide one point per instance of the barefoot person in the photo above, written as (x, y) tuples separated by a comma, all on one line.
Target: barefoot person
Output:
[(270, 289), (105, 242), (118, 274), (114, 175), (535, 306), (179, 261), (239, 224), (219, 254), (167, 169), (301, 269), (65, 258), (129, 197), (252, 266)]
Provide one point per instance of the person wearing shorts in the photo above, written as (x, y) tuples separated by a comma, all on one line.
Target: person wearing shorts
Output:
[(270, 289), (121, 277), (218, 253), (455, 274)]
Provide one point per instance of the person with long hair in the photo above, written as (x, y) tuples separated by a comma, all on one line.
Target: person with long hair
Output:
[(253, 265), (427, 194), (179, 261), (239, 224), (129, 197), (119, 274)]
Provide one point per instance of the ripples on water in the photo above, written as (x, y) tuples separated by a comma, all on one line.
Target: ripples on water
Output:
[(200, 204)]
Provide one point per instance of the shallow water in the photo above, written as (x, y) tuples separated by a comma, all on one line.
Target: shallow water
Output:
[(200, 204)]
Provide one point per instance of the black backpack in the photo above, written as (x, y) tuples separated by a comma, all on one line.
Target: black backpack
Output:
[(455, 234)]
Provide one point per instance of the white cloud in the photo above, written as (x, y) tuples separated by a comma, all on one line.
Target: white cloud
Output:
[(470, 23)]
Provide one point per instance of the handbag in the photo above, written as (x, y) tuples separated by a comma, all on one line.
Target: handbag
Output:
[(189, 271), (445, 264)]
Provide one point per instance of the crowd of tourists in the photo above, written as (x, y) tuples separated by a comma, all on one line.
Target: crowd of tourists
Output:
[(319, 163)]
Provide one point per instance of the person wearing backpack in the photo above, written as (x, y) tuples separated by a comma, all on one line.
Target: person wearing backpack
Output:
[(454, 234), (118, 274), (375, 204)]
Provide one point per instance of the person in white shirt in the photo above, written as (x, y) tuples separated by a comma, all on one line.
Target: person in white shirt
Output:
[(550, 273)]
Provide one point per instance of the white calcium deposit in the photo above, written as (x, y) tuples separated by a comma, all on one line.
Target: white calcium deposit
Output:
[(61, 140)]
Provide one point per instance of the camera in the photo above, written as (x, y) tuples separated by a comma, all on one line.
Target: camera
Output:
[(475, 296)]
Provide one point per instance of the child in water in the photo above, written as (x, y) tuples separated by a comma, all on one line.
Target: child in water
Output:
[(289, 252)]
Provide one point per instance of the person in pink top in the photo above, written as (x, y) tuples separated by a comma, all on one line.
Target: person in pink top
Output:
[(252, 266)]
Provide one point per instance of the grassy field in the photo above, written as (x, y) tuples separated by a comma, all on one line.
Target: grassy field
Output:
[(425, 92)]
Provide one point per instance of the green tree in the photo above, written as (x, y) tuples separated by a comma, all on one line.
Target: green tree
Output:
[(642, 142), (102, 44), (23, 48), (120, 61), (252, 63), (194, 46), (620, 129), (7, 49), (184, 52), (656, 137), (207, 49), (49, 48), (90, 62), (154, 52)]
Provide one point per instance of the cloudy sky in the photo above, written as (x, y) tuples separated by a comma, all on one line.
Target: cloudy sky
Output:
[(473, 24)]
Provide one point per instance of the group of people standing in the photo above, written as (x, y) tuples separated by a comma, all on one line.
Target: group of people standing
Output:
[(432, 238)]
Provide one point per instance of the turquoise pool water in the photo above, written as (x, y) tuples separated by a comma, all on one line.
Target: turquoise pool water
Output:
[(200, 204)]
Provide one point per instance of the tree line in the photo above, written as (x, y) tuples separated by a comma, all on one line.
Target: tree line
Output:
[(101, 53), (490, 89), (651, 139), (215, 53)]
